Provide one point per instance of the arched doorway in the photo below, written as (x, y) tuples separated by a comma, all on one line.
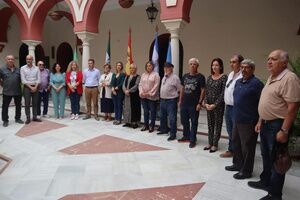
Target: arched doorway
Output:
[(64, 55), (163, 43), (23, 52)]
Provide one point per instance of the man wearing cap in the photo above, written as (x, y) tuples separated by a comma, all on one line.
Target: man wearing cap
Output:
[(278, 106), (10, 80), (246, 97), (169, 94)]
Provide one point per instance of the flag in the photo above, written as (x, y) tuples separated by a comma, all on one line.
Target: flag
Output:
[(75, 57), (155, 57), (107, 55), (169, 54), (129, 54)]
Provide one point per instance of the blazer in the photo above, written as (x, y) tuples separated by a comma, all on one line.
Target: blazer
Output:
[(78, 80)]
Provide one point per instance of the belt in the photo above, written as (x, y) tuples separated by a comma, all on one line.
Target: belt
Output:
[(91, 86), (168, 99), (270, 121)]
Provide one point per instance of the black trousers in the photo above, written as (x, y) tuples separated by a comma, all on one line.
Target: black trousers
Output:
[(28, 96), (244, 140), (5, 105)]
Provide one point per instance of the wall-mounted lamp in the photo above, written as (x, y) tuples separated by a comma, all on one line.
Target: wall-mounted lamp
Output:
[(152, 12)]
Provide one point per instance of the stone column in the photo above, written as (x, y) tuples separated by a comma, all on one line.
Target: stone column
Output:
[(31, 47), (85, 38), (175, 26)]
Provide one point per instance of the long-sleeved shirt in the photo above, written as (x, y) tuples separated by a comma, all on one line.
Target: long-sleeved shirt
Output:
[(30, 75), (149, 85), (91, 77), (214, 92), (45, 80)]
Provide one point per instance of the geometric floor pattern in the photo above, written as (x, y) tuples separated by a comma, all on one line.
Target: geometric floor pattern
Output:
[(109, 144), (89, 159), (38, 127), (180, 192)]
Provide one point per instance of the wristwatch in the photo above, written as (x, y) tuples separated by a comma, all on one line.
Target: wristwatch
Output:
[(285, 131)]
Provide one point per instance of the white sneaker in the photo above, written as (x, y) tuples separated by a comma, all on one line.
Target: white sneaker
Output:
[(72, 116), (76, 117), (46, 116), (39, 116)]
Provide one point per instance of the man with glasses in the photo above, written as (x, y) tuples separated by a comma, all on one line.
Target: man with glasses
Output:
[(10, 80), (30, 76), (235, 64), (44, 88)]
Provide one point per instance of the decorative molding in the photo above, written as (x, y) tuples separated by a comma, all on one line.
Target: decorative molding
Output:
[(28, 6), (78, 6), (170, 3)]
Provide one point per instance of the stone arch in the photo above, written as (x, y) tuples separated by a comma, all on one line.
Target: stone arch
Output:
[(23, 52), (5, 14), (180, 11), (64, 55)]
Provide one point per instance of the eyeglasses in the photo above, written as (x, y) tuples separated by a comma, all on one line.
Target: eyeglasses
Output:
[(40, 64), (228, 84)]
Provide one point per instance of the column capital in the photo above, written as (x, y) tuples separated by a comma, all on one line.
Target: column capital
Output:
[(31, 43), (86, 36), (174, 26)]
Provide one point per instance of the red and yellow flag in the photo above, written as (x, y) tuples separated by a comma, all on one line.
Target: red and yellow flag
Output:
[(129, 54)]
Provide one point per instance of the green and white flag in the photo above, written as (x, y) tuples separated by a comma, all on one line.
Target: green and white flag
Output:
[(107, 56)]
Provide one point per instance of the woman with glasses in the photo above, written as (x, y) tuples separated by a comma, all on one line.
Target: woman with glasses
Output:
[(107, 106), (214, 103), (58, 90), (117, 92), (74, 83), (132, 101)]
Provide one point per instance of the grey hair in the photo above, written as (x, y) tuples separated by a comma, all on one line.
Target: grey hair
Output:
[(248, 62), (284, 56), (195, 60)]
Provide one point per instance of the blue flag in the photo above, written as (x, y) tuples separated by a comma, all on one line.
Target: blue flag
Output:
[(169, 55), (155, 55)]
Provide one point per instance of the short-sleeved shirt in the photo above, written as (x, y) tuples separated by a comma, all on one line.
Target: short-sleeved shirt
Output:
[(246, 97), (11, 81), (276, 93), (170, 87), (192, 85)]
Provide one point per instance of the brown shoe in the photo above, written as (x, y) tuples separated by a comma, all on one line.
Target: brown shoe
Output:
[(226, 154)]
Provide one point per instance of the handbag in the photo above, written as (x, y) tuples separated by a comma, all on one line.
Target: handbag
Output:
[(282, 158)]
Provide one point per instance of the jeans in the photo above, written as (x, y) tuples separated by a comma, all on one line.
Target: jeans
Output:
[(149, 107), (269, 176), (75, 99), (43, 97), (229, 125), (188, 113), (118, 106), (168, 109), (5, 105)]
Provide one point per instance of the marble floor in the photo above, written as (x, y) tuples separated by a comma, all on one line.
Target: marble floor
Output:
[(88, 160)]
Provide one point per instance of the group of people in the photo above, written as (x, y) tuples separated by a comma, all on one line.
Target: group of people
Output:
[(249, 106)]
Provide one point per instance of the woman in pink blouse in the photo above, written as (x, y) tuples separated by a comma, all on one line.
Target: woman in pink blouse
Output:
[(149, 93)]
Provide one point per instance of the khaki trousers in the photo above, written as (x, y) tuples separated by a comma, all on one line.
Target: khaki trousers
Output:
[(91, 97)]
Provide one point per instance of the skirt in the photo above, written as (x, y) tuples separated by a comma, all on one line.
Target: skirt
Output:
[(107, 105)]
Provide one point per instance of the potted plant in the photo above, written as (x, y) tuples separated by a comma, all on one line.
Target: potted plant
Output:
[(294, 145)]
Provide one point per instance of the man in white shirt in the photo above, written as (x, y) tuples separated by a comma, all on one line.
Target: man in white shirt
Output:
[(235, 64)]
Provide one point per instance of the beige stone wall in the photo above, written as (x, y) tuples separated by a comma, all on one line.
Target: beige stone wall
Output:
[(218, 28)]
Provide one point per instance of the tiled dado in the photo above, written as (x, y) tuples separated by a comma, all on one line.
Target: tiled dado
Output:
[(109, 144), (178, 192)]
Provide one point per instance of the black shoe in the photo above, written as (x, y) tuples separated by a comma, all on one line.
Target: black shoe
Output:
[(86, 117), (161, 133), (126, 125), (192, 144), (5, 124), (19, 121), (213, 149), (145, 128), (207, 148), (27, 121), (270, 197), (258, 185), (241, 176), (183, 139), (171, 138), (232, 168), (36, 120), (151, 129), (134, 126)]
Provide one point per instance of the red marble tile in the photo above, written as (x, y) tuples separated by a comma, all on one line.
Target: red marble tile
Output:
[(4, 162), (178, 192), (109, 144), (34, 128)]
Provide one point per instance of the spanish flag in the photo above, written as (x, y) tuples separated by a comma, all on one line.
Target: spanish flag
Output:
[(129, 54)]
